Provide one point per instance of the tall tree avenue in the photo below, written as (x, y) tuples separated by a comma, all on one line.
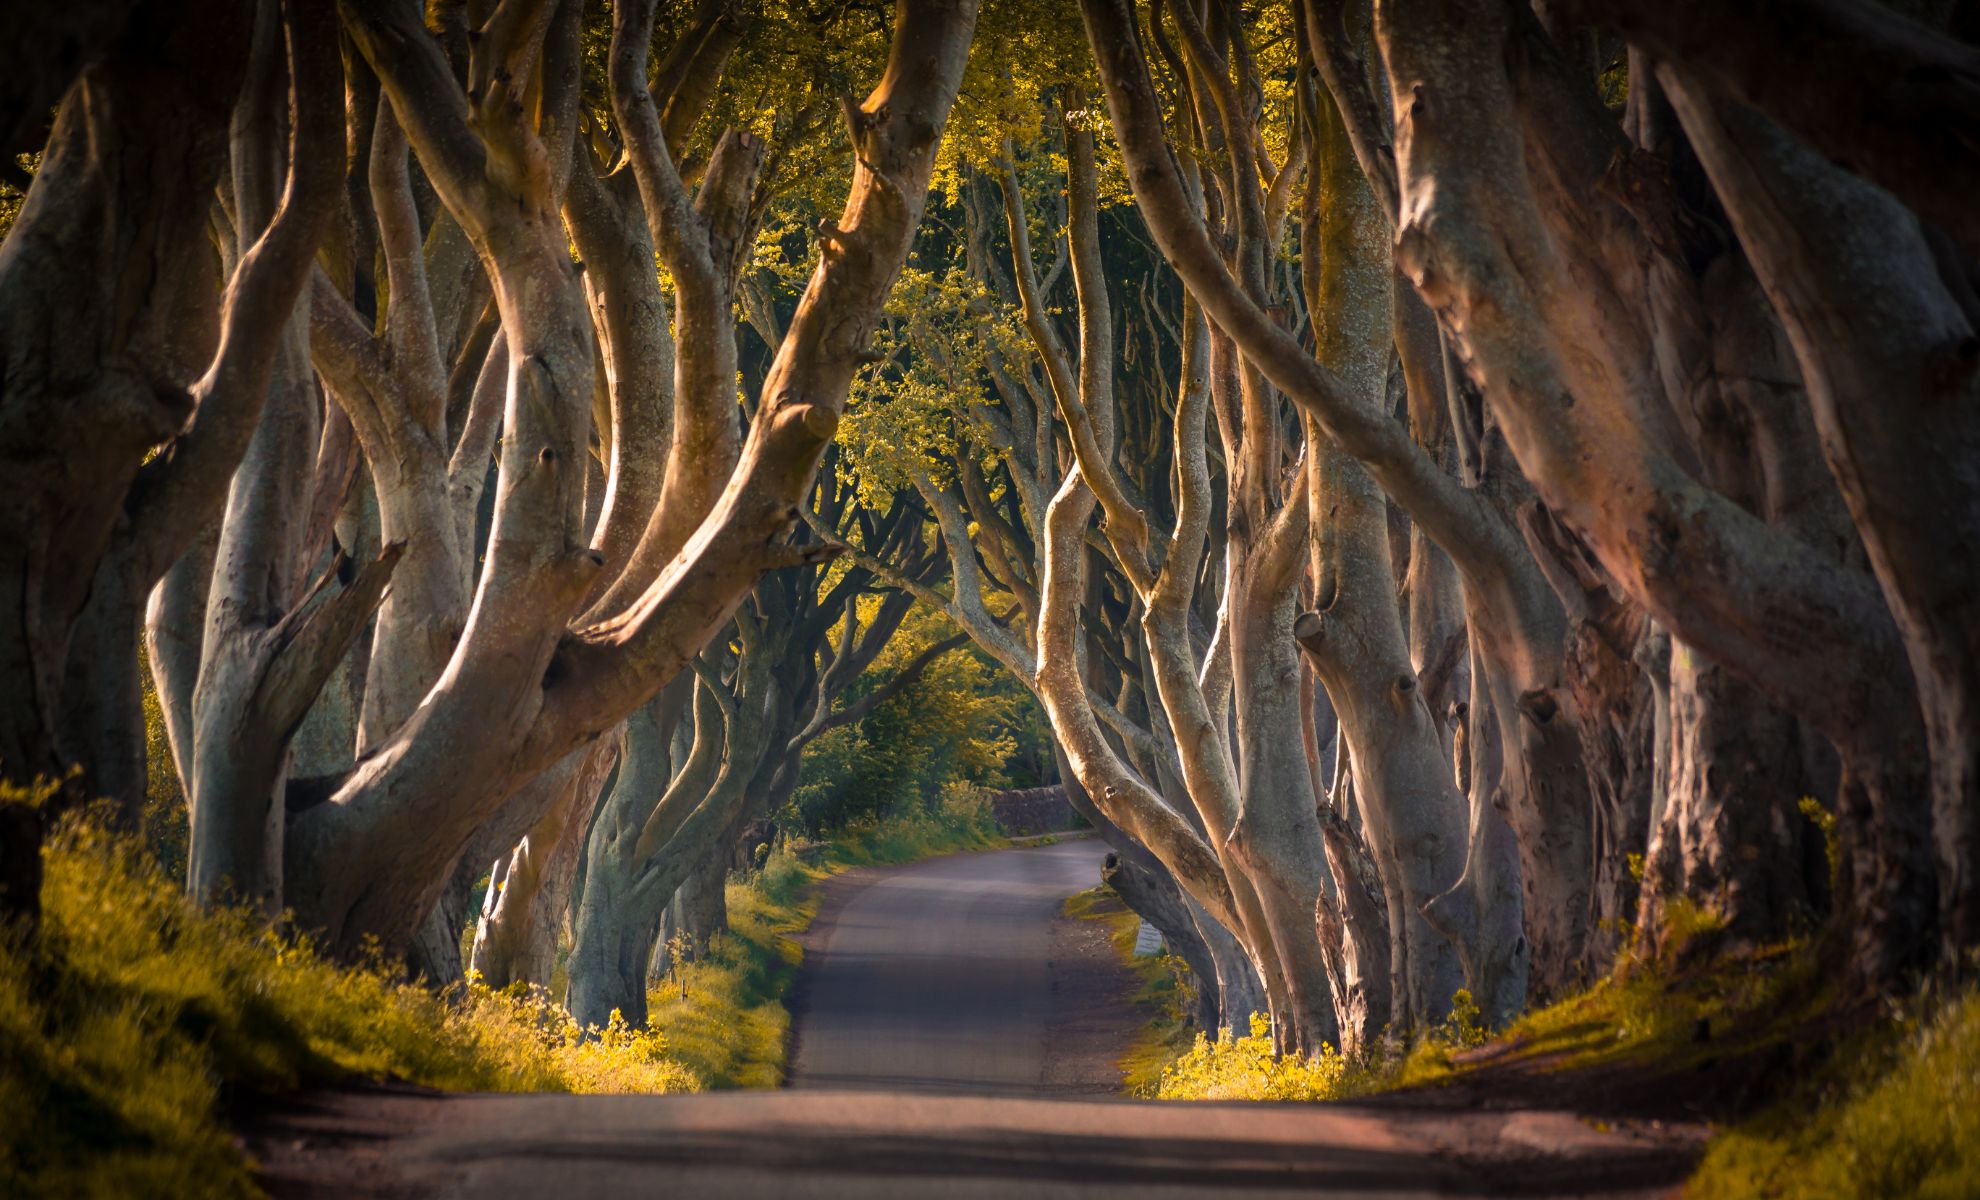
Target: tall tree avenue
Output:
[(1470, 489)]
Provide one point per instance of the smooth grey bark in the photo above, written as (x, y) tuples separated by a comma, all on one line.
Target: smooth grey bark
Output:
[(1410, 807), (1224, 982), (1732, 839), (1597, 434), (268, 645), (656, 839), (1477, 533), (617, 921), (1253, 793), (515, 939), (361, 866), (699, 910), (646, 843)]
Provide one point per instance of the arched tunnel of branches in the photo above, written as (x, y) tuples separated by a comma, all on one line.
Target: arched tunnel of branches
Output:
[(1471, 485)]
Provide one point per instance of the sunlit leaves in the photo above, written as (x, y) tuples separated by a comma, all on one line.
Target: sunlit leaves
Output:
[(905, 413)]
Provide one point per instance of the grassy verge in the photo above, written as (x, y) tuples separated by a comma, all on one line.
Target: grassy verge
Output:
[(1847, 1106), (135, 1015), (1680, 1013), (1895, 1111), (1171, 1060), (123, 1026), (1683, 1010), (1849, 1109), (724, 1013)]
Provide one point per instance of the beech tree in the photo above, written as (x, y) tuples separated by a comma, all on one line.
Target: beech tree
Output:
[(1469, 482), (103, 368), (687, 788), (1616, 347), (478, 681)]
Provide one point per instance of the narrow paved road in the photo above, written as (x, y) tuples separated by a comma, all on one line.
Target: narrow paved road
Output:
[(929, 1065), (942, 977)]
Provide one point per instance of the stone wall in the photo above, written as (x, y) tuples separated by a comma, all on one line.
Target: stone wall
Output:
[(1033, 810)]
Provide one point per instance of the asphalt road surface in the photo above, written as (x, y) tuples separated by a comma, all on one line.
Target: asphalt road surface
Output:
[(942, 977), (933, 1022)]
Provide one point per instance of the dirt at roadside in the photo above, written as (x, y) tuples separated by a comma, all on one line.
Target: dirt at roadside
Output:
[(1094, 1021)]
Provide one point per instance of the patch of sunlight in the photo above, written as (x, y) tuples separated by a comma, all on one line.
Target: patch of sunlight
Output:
[(121, 1024)]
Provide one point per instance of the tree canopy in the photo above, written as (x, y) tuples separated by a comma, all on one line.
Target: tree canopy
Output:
[(1455, 489)]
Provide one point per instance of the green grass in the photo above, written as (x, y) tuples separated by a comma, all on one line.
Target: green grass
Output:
[(1673, 1008), (724, 1013), (1648, 1011), (122, 1026), (132, 1017), (1895, 1112), (1889, 1108)]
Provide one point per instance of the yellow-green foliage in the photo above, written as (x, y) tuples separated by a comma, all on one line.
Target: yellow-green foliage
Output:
[(166, 827), (121, 1026), (1168, 1062), (1824, 822), (12, 198), (1242, 1068), (1249, 1068), (1428, 1062), (1463, 1028), (960, 820), (724, 1012), (1902, 1119), (1654, 1009)]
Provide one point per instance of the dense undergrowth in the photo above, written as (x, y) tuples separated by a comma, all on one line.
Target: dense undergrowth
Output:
[(724, 1011)]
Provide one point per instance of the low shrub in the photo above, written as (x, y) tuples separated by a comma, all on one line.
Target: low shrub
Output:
[(1250, 1068)]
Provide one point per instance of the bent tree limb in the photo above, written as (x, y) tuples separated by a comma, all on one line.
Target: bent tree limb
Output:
[(379, 852)]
